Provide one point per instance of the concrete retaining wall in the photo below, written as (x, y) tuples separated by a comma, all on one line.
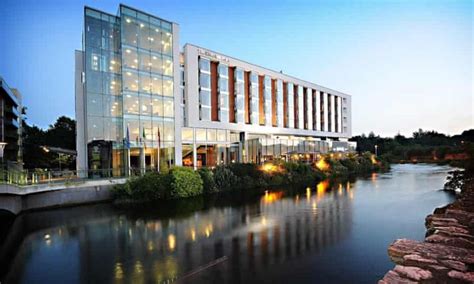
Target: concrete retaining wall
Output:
[(16, 200)]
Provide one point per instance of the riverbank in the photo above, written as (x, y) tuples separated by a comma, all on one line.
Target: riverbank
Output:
[(447, 253), (181, 182)]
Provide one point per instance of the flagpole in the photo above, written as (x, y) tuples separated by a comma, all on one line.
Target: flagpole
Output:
[(127, 146)]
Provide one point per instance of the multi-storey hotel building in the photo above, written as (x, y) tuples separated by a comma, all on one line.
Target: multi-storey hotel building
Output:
[(141, 103)]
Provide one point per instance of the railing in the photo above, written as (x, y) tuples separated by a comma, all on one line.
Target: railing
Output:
[(39, 177)]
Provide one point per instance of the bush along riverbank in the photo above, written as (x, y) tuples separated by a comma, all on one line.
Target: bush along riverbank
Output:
[(180, 182), (447, 253)]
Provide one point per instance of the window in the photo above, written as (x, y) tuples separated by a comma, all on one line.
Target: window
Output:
[(167, 87), (112, 105), (130, 31), (187, 134), (145, 83), (156, 85), (131, 104), (145, 105), (168, 108), (145, 61), (130, 58), (223, 70), (167, 66), (130, 81), (95, 128), (204, 80), (156, 106), (94, 104), (204, 65), (205, 98)]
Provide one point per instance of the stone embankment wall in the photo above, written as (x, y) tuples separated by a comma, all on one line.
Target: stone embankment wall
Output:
[(447, 253)]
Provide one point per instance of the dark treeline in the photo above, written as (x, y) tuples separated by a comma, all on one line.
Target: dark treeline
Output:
[(421, 146), (61, 134)]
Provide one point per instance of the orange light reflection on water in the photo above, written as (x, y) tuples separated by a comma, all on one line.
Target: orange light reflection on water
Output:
[(321, 189), (271, 197)]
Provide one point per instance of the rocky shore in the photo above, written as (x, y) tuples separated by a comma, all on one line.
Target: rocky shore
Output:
[(447, 253)]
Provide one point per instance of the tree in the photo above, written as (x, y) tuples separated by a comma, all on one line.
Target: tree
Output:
[(61, 134)]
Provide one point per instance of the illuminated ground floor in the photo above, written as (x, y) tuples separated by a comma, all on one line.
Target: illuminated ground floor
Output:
[(202, 147)]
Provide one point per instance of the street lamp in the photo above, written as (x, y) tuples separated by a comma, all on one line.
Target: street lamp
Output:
[(376, 147)]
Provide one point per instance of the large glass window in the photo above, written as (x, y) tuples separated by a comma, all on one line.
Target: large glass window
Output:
[(155, 36), (112, 106), (145, 105), (130, 31), (131, 104), (267, 93), (113, 129), (167, 87), (130, 58), (130, 81), (205, 98), (167, 43), (204, 80), (254, 100), (204, 65), (94, 104), (239, 95), (291, 106), (223, 70), (168, 127), (145, 61), (95, 128), (157, 106), (145, 82), (168, 108), (279, 91), (156, 85)]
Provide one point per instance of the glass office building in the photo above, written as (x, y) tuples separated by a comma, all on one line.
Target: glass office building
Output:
[(127, 92), (141, 104)]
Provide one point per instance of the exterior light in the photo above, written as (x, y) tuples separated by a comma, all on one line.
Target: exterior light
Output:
[(128, 51), (171, 242), (128, 20)]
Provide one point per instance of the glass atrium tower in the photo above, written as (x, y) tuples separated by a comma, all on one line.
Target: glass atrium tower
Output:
[(126, 80)]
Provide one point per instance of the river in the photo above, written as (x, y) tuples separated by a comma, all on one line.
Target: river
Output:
[(334, 232)]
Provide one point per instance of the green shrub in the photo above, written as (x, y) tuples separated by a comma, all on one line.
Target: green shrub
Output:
[(208, 180), (184, 182), (224, 178), (151, 186)]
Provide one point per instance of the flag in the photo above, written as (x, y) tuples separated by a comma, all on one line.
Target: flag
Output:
[(127, 139), (159, 138), (144, 137)]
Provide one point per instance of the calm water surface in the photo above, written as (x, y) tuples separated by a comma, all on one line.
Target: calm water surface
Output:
[(336, 232)]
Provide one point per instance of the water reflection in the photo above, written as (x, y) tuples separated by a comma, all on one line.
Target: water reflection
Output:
[(260, 236)]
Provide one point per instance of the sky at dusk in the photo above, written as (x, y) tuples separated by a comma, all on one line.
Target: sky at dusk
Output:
[(407, 64)]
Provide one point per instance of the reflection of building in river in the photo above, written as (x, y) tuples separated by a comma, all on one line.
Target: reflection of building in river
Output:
[(253, 237)]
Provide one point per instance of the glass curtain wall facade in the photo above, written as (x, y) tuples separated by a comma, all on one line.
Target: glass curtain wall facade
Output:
[(128, 89), (103, 89), (148, 91)]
